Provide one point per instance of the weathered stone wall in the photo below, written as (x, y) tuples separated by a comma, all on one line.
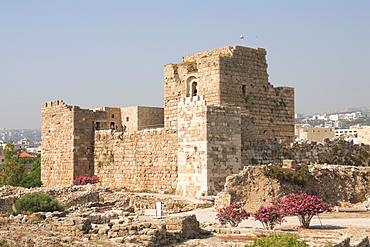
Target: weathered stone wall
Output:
[(139, 117), (130, 118), (142, 160), (233, 75), (339, 152), (224, 145), (67, 142), (209, 146), (150, 117), (179, 82), (57, 157), (192, 152), (113, 118)]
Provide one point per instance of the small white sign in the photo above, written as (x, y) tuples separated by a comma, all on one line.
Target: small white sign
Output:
[(158, 210)]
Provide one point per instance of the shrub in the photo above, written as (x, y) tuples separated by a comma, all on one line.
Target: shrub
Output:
[(269, 216), (302, 205), (233, 214), (82, 180), (3, 243), (37, 202), (299, 177), (278, 240)]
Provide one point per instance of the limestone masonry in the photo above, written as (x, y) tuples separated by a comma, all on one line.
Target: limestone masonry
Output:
[(218, 106)]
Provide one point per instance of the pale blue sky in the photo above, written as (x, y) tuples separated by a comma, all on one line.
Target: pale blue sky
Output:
[(111, 53)]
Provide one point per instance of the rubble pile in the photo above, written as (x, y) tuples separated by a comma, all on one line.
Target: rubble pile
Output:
[(123, 229), (334, 184), (91, 220)]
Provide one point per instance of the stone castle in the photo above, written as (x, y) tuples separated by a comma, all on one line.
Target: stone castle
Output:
[(218, 106)]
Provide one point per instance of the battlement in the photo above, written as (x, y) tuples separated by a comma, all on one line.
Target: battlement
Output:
[(193, 101), (223, 51), (284, 90), (54, 104)]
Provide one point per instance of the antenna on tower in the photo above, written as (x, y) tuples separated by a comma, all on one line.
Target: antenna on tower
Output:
[(242, 38)]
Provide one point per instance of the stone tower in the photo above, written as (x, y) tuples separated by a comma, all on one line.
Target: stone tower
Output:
[(236, 76), (219, 113)]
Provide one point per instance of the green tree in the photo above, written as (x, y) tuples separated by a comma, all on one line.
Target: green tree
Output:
[(33, 179), (12, 171)]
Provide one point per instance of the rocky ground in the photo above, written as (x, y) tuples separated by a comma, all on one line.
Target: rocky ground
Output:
[(99, 216)]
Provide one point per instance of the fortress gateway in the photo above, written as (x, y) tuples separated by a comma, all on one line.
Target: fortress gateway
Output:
[(219, 107)]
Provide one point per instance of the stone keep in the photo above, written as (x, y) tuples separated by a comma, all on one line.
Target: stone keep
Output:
[(217, 105)]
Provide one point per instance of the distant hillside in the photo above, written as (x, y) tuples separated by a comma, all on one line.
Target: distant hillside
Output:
[(347, 110), (18, 134)]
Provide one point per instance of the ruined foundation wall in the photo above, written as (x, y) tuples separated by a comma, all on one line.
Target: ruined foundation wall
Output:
[(332, 183), (339, 152), (142, 160)]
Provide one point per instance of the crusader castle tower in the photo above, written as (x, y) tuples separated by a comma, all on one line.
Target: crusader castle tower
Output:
[(218, 107)]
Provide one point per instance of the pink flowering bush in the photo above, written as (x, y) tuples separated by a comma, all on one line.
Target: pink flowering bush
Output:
[(233, 214), (302, 205), (82, 180), (269, 216)]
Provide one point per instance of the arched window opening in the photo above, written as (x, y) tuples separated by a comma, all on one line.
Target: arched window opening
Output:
[(190, 86), (112, 125), (194, 90)]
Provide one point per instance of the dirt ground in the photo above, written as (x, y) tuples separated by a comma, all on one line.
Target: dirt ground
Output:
[(328, 228)]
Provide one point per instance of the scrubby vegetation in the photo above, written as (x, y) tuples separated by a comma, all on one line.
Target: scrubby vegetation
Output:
[(299, 176), (278, 240), (36, 202)]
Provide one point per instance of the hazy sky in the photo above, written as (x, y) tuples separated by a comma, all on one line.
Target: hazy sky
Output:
[(111, 52)]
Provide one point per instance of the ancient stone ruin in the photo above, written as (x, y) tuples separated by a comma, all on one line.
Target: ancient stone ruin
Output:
[(218, 105)]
